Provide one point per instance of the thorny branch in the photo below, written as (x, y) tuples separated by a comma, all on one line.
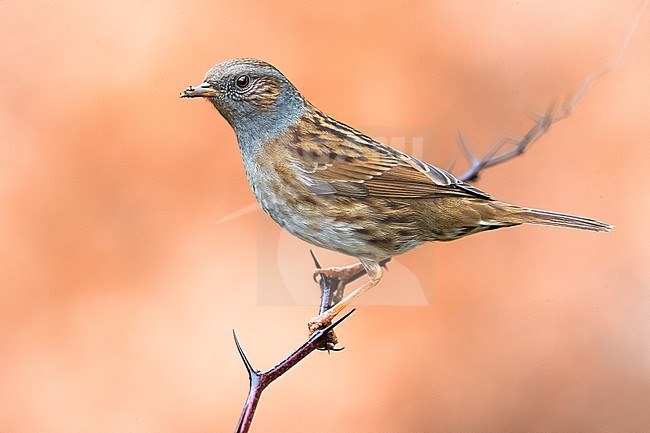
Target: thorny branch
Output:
[(260, 380), (324, 339), (332, 289)]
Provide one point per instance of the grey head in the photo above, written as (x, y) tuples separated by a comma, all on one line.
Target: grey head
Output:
[(253, 96)]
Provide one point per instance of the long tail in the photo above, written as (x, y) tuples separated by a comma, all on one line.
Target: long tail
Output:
[(544, 217)]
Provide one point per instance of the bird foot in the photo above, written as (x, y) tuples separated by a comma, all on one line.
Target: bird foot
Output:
[(343, 274), (319, 322)]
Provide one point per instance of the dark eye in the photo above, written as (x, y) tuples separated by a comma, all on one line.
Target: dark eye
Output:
[(242, 81)]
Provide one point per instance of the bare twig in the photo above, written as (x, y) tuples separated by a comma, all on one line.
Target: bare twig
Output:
[(260, 380), (325, 339), (508, 148)]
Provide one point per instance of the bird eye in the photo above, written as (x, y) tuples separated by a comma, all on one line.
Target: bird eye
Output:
[(242, 81)]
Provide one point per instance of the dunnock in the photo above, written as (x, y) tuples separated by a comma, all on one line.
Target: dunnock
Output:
[(337, 188)]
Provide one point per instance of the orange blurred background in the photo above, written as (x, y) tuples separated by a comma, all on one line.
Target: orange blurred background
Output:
[(119, 289)]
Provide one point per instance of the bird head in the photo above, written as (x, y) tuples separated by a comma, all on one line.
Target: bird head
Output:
[(253, 96)]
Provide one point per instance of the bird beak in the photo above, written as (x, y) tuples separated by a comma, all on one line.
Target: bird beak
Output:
[(203, 90)]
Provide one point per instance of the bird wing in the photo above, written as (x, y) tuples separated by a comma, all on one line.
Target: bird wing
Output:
[(333, 158)]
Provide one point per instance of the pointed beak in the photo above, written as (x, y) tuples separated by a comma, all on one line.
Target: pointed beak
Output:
[(203, 90)]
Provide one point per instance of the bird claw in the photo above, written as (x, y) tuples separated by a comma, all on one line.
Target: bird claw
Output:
[(325, 272), (331, 340), (343, 274)]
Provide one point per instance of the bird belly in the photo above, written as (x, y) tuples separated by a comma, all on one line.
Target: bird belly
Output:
[(352, 226)]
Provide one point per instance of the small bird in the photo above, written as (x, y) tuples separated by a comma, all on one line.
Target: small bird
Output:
[(337, 188)]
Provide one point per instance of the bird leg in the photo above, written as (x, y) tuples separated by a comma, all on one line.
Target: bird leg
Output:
[(373, 269)]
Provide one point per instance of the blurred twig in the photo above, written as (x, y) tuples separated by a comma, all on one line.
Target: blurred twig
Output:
[(508, 148)]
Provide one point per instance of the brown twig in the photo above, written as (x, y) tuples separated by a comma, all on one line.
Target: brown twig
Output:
[(331, 292), (259, 380)]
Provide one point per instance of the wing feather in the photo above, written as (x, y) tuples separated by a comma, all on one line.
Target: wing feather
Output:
[(341, 160)]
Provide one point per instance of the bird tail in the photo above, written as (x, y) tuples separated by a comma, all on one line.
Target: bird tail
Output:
[(556, 219)]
